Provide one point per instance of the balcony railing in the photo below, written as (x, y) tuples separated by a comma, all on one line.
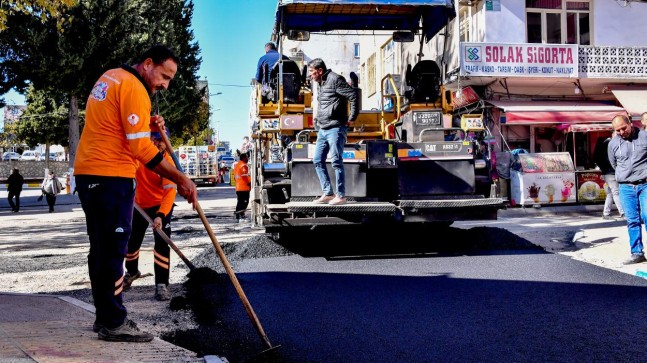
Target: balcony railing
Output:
[(612, 62)]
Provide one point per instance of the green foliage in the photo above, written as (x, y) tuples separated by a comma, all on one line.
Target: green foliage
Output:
[(182, 105), (99, 35), (45, 119), (40, 9)]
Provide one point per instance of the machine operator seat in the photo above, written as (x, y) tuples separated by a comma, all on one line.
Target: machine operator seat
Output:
[(291, 81), (424, 80)]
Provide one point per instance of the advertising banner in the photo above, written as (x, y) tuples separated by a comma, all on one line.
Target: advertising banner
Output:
[(590, 187), (519, 60)]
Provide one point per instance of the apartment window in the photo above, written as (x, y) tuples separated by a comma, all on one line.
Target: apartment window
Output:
[(464, 23), (558, 21), (356, 50), (370, 65), (387, 53)]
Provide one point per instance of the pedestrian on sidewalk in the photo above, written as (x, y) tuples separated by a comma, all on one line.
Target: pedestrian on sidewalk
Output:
[(116, 135), (51, 187), (155, 195), (628, 156), (601, 158), (14, 188), (243, 186)]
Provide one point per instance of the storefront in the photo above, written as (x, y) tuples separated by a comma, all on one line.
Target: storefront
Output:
[(557, 126), (539, 126)]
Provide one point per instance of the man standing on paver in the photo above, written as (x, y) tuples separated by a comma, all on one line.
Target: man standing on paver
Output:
[(628, 156), (116, 135)]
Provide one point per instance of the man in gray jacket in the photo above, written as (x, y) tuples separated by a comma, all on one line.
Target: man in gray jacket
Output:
[(628, 156), (332, 119)]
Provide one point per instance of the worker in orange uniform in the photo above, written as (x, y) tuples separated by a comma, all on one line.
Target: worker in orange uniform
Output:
[(243, 186), (155, 195), (116, 135)]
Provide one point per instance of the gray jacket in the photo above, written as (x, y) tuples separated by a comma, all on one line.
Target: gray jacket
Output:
[(629, 157), (334, 95)]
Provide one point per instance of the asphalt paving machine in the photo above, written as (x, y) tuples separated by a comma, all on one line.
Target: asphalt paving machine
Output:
[(406, 163)]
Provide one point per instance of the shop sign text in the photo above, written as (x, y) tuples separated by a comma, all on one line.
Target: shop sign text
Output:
[(535, 60)]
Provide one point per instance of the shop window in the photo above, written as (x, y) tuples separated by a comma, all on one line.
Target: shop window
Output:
[(558, 21)]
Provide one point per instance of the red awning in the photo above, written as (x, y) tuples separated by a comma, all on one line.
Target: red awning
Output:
[(551, 112)]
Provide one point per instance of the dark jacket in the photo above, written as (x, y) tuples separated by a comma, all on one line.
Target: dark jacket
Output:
[(601, 156), (334, 95), (270, 59), (14, 182)]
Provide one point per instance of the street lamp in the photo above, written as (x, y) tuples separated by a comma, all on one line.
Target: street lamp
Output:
[(216, 134)]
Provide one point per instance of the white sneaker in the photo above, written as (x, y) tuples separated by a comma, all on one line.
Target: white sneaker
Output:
[(337, 201), (324, 199)]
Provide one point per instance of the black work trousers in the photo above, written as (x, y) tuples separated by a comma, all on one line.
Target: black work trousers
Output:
[(108, 206), (161, 251)]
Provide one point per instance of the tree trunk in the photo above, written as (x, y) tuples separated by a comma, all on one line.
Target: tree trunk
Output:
[(74, 138), (74, 127), (46, 158)]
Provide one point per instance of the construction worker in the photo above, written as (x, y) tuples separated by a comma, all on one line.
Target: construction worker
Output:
[(243, 186), (155, 195), (116, 135)]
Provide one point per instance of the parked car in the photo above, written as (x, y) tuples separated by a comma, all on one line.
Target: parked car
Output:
[(10, 155), (30, 155)]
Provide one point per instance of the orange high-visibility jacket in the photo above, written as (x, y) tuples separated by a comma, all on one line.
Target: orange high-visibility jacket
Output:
[(117, 130), (241, 174), (152, 189)]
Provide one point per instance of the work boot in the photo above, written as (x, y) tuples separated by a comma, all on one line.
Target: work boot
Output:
[(635, 258), (162, 293), (96, 327), (128, 279), (126, 332)]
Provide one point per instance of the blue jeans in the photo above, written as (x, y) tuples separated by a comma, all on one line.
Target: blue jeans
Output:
[(634, 203), (332, 140)]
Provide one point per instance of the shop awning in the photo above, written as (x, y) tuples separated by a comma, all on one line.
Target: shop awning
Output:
[(633, 100), (588, 127), (552, 112)]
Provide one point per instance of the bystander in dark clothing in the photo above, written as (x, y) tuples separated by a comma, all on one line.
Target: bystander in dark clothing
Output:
[(14, 187), (51, 187), (628, 156), (601, 158)]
